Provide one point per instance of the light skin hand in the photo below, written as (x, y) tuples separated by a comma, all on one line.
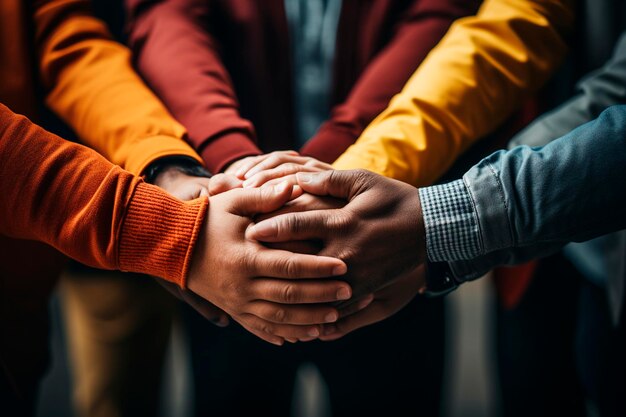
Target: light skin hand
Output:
[(186, 187), (275, 294), (258, 170), (379, 233), (386, 302)]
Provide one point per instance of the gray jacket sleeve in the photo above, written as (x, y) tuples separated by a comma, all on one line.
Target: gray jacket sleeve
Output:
[(532, 201), (601, 89)]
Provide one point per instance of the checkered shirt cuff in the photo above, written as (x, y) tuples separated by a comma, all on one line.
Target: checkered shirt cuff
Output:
[(452, 232)]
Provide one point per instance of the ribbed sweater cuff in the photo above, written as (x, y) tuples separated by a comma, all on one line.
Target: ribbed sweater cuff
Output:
[(158, 234)]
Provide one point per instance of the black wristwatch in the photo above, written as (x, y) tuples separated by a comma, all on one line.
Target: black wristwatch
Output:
[(439, 279), (184, 164)]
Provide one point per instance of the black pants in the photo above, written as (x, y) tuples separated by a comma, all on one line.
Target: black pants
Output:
[(392, 368), (558, 351)]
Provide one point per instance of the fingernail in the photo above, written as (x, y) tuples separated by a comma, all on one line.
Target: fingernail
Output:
[(314, 332), (278, 342), (280, 188), (340, 269), (304, 177), (264, 229), (331, 317), (329, 329), (343, 294)]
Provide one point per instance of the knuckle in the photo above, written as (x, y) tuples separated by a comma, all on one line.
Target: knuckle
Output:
[(280, 315), (291, 268), (341, 220), (288, 293), (266, 328)]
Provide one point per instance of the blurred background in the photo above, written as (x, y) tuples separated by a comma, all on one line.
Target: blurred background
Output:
[(470, 382)]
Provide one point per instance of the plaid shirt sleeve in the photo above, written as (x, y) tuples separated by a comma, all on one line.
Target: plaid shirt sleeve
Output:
[(452, 231)]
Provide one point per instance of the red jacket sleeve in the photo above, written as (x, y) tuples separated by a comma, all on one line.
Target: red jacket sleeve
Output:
[(178, 57), (421, 28), (71, 198)]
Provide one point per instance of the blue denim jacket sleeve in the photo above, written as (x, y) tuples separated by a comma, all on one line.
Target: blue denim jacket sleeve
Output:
[(530, 202)]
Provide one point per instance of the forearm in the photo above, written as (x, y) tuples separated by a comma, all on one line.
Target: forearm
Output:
[(175, 52), (71, 198), (478, 74), (567, 191), (90, 83)]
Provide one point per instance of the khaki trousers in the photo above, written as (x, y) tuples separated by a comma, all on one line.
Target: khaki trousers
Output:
[(118, 326)]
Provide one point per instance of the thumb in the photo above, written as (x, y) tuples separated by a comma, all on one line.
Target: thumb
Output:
[(340, 184), (221, 183), (252, 201)]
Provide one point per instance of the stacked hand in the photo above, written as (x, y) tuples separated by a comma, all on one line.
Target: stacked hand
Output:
[(379, 233), (275, 294), (278, 290)]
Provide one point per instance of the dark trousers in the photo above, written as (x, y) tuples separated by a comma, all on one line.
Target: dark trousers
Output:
[(392, 368), (558, 352)]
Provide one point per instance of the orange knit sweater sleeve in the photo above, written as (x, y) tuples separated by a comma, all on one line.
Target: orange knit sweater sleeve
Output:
[(91, 84), (73, 199)]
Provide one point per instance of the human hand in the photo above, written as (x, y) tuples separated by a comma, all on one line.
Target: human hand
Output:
[(257, 170), (188, 187), (386, 303), (274, 294), (379, 233)]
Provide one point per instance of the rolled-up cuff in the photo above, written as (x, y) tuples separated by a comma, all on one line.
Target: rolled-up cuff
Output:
[(450, 221), (158, 234), (489, 201)]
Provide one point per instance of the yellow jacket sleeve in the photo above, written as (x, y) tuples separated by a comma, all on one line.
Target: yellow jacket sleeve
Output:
[(468, 85), (90, 83)]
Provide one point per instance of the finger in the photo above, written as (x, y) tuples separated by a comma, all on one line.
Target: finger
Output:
[(341, 184), (280, 171), (300, 292), (245, 164), (306, 202), (351, 323), (276, 159), (355, 307), (248, 165), (282, 264), (221, 183), (308, 247), (315, 224), (251, 201), (291, 179), (286, 331), (206, 309), (302, 315), (275, 340)]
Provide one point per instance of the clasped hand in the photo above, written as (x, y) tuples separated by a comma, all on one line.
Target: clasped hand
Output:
[(341, 255)]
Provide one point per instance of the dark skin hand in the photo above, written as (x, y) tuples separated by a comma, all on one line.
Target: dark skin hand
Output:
[(381, 305), (355, 314), (379, 234)]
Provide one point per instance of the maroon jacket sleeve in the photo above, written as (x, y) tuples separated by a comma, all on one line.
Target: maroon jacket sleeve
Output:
[(423, 25), (179, 59)]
